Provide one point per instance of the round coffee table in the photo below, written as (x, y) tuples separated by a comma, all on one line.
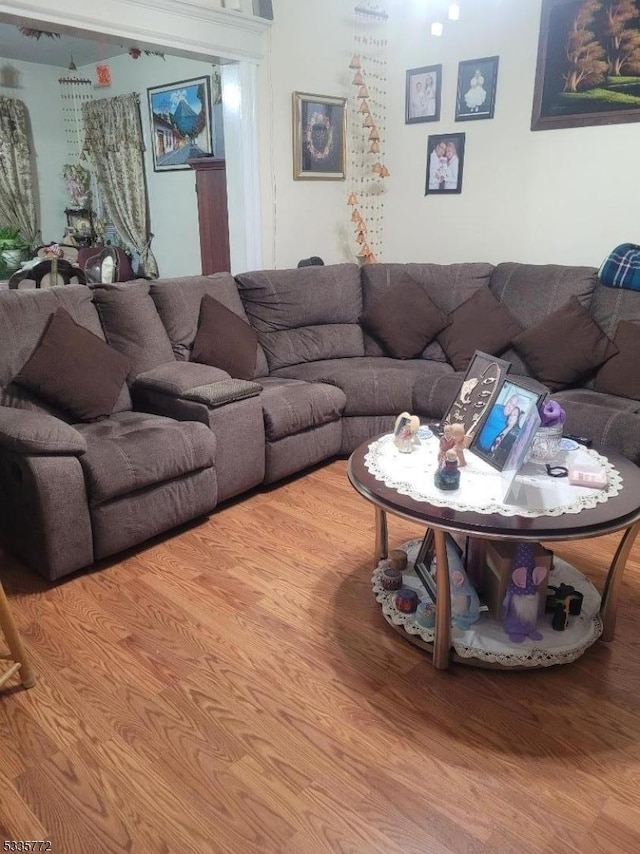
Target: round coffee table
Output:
[(620, 513)]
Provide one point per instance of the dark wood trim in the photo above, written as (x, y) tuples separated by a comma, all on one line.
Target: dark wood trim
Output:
[(213, 215)]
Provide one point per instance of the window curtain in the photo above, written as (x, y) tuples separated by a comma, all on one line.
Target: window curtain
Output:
[(17, 202), (114, 146)]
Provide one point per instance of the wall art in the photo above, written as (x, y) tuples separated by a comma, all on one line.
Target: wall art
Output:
[(180, 115)]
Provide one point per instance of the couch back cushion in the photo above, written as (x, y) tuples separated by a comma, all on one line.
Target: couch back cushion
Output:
[(611, 305), (132, 324), (178, 302), (24, 314), (447, 285), (306, 314), (533, 291)]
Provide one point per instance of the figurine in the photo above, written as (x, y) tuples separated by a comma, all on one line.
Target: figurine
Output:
[(405, 432), (465, 604), (447, 477), (521, 605), (563, 601), (453, 438)]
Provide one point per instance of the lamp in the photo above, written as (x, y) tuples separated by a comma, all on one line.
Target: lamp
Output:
[(436, 28), (454, 12)]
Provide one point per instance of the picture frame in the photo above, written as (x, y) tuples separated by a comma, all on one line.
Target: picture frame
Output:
[(319, 137), (180, 117), (422, 564), (591, 84), (476, 93), (445, 162), (423, 94), (507, 424), (479, 390)]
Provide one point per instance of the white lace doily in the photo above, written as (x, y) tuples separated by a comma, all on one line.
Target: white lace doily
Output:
[(486, 639), (482, 489)]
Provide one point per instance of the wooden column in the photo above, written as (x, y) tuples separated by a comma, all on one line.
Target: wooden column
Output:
[(213, 218)]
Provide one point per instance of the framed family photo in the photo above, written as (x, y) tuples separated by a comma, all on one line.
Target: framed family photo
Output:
[(477, 81), (588, 70), (180, 115), (509, 427), (319, 137), (445, 160), (422, 98)]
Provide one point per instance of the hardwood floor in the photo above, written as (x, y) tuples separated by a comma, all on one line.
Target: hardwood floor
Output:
[(234, 688)]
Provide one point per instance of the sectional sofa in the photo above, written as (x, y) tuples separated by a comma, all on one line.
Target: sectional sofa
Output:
[(184, 436)]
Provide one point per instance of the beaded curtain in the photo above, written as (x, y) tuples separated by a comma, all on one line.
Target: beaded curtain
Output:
[(367, 134)]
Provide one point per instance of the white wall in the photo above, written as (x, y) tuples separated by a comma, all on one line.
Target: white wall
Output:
[(562, 196), (38, 87), (172, 195)]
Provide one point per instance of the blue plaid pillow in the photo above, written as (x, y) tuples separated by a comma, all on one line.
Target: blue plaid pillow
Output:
[(621, 269)]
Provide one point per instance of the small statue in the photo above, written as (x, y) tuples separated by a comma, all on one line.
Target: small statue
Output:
[(447, 477), (405, 432), (453, 438), (465, 604), (521, 605)]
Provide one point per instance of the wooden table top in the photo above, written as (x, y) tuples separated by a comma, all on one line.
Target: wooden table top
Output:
[(617, 513)]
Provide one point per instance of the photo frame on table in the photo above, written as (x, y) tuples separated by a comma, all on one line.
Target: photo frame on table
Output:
[(319, 137), (423, 94), (479, 390), (422, 564), (587, 71), (180, 115), (509, 426), (518, 455), (477, 82), (445, 162)]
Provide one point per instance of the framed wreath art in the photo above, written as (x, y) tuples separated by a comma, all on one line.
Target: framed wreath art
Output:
[(319, 137)]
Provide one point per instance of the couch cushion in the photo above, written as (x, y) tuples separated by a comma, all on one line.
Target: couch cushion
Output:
[(480, 323), (306, 314), (565, 347), (404, 320), (24, 314), (291, 406), (374, 385), (133, 450), (620, 375), (178, 303), (74, 370), (608, 420), (132, 325), (611, 305), (225, 340), (447, 285)]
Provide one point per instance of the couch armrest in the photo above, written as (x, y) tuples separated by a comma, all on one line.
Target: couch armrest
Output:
[(223, 392), (27, 432), (174, 378)]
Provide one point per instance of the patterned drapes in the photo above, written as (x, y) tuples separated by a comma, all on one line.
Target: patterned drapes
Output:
[(17, 203), (114, 145)]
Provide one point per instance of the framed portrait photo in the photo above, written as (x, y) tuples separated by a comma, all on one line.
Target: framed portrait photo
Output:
[(180, 115), (588, 70), (510, 420), (422, 98), (445, 159), (477, 80), (319, 137)]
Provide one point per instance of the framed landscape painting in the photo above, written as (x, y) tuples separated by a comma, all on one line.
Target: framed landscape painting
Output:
[(180, 115), (588, 69)]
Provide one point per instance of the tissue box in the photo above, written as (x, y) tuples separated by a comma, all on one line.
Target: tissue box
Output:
[(594, 476), (498, 567)]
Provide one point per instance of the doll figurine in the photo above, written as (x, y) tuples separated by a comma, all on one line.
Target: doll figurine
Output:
[(521, 605), (452, 439), (405, 432), (465, 604), (447, 477)]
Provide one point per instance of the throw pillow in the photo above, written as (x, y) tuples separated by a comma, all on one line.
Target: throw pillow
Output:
[(480, 323), (405, 319), (74, 370), (565, 347), (224, 340), (619, 374)]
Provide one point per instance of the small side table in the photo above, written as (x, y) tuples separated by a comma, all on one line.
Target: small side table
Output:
[(16, 649)]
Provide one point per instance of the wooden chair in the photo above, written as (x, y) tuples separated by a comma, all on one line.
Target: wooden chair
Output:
[(16, 649), (60, 272)]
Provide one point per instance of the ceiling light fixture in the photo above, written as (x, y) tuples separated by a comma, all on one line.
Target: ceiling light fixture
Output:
[(454, 12), (436, 28)]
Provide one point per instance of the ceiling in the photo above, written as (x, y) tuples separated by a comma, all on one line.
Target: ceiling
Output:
[(55, 51)]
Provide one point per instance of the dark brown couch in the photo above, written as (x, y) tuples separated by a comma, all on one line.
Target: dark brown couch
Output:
[(73, 493)]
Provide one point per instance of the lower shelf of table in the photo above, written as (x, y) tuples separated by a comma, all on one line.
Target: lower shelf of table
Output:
[(485, 643)]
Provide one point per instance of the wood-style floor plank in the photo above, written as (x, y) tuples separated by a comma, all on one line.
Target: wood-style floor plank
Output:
[(233, 687)]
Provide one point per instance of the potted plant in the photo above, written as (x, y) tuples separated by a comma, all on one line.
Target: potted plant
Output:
[(12, 247)]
